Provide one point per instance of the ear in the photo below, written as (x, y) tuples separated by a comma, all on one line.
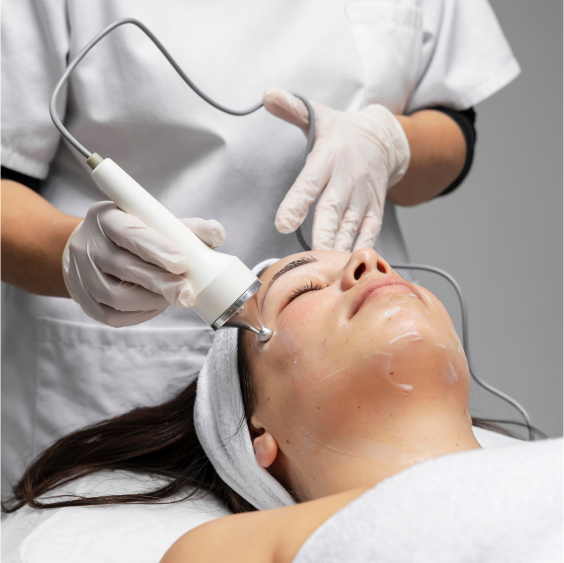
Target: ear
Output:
[(264, 444), (266, 449)]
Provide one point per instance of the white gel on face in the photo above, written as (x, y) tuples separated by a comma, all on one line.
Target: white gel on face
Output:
[(337, 371), (290, 343), (414, 314), (379, 452), (454, 333), (404, 388), (347, 453), (362, 449), (308, 442), (392, 312), (427, 300), (413, 337), (450, 376), (385, 354)]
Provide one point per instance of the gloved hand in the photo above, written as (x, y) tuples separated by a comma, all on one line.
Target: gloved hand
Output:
[(124, 273), (356, 157)]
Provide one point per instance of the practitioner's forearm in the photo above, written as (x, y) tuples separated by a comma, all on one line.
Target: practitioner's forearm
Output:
[(438, 153), (34, 234)]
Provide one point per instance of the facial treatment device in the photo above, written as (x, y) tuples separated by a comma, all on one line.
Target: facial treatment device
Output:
[(222, 284)]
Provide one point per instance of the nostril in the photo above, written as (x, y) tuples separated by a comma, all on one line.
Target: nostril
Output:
[(381, 267), (360, 269)]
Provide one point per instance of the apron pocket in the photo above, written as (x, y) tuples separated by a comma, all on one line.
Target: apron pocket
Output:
[(86, 373), (388, 39)]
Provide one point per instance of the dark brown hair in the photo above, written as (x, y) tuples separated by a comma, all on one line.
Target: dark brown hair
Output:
[(157, 440)]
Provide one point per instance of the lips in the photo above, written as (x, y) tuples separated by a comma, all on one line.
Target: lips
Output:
[(372, 285)]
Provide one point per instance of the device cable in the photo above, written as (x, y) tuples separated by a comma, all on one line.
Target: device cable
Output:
[(445, 275), (465, 345), (164, 51), (309, 146)]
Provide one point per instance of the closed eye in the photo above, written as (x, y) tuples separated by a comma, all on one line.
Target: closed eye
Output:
[(308, 286)]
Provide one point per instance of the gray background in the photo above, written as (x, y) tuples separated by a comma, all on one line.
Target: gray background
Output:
[(500, 233)]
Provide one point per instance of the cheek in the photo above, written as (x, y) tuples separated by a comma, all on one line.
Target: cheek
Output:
[(426, 351), (319, 365), (306, 335), (309, 343)]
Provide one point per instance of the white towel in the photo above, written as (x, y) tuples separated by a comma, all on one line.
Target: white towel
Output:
[(483, 506), (221, 426)]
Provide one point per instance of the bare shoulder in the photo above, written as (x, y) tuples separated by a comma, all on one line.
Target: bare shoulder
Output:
[(267, 536), (236, 538)]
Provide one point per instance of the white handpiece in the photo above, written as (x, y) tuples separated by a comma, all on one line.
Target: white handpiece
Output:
[(222, 283)]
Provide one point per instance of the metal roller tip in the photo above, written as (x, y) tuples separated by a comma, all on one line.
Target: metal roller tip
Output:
[(264, 334)]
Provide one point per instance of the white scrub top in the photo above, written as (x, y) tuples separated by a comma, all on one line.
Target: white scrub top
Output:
[(60, 369)]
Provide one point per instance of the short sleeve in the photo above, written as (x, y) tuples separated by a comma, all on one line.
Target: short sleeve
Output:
[(466, 57), (34, 51)]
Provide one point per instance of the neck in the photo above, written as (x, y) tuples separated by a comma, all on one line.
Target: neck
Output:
[(380, 450)]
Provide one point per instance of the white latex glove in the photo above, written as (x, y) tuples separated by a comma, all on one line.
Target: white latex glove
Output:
[(122, 272), (356, 157)]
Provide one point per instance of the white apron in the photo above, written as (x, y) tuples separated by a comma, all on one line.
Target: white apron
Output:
[(62, 370)]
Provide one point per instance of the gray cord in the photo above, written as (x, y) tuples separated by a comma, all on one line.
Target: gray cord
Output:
[(446, 275), (169, 58), (464, 315), (83, 150), (309, 147)]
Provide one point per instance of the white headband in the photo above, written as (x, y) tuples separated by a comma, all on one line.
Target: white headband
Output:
[(221, 426)]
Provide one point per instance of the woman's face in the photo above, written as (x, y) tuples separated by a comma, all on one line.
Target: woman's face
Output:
[(353, 344)]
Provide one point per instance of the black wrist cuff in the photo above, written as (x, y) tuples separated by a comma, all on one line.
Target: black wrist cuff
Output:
[(465, 119), (32, 183)]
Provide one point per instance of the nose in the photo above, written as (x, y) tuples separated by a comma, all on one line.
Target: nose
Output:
[(364, 262)]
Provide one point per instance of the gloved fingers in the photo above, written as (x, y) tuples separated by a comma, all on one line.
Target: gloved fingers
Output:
[(348, 229), (124, 296), (119, 319), (108, 315), (131, 233), (368, 232), (308, 185), (210, 232), (328, 215), (127, 267), (287, 107)]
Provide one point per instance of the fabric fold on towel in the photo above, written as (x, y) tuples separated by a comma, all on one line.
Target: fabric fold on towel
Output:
[(221, 427), (500, 505)]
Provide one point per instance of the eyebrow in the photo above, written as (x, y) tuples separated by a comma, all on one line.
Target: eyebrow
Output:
[(290, 266)]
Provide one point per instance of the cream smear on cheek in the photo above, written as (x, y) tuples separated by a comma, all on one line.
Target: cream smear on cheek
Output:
[(289, 342), (449, 374), (285, 334), (392, 312), (426, 300), (385, 353), (411, 335), (296, 314)]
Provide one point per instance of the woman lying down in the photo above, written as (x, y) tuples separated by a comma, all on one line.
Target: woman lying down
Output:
[(349, 431)]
